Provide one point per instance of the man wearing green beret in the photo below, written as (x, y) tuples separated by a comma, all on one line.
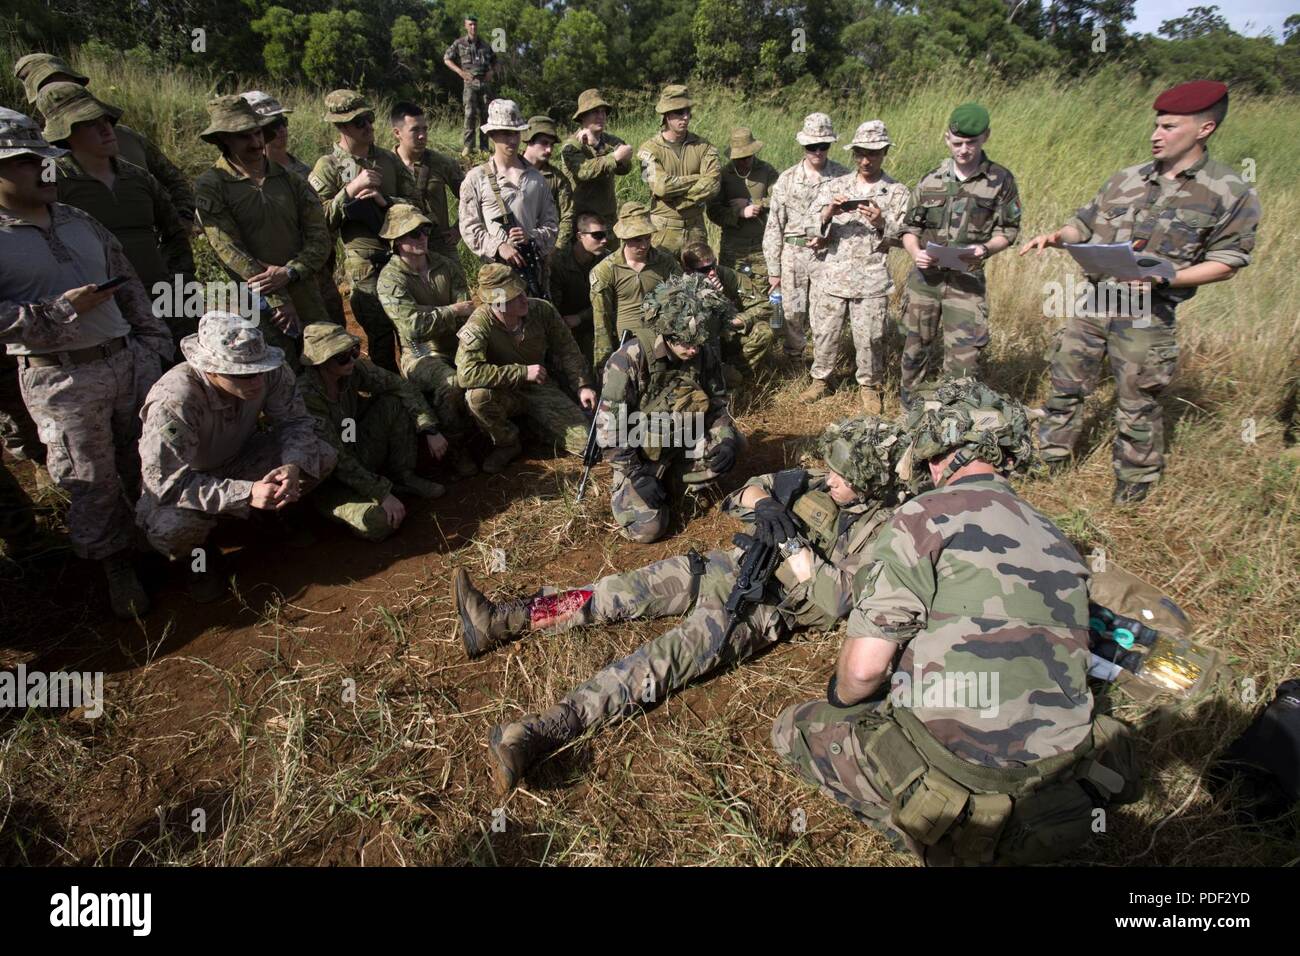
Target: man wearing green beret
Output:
[(682, 171), (741, 205), (594, 157), (357, 181), (510, 350), (373, 419), (540, 139), (967, 201)]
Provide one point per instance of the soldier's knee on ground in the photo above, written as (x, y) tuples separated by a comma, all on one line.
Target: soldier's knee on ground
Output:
[(366, 520), (784, 733), (645, 528), (176, 532)]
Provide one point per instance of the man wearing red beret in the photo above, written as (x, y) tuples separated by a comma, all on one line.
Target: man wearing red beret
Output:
[(1183, 207)]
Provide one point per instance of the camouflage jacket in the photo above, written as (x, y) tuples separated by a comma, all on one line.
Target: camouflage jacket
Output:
[(751, 304), (841, 533), (133, 147), (972, 581), (474, 56), (434, 174), (330, 177), (616, 294), (418, 306), (742, 237), (251, 226), (1205, 214), (855, 262), (592, 170), (953, 212), (562, 193), (367, 381), (482, 226), (491, 357), (682, 177), (793, 213)]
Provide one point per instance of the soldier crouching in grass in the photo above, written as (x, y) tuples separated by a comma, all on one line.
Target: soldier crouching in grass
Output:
[(821, 520)]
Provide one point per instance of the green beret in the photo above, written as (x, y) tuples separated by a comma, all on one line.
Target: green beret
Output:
[(969, 119)]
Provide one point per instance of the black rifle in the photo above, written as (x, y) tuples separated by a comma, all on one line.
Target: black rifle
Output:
[(592, 452), (533, 265)]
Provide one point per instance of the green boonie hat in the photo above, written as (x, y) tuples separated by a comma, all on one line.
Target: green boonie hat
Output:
[(63, 104), (634, 221), (35, 69), (969, 119), (539, 126), (19, 135), (231, 114), (343, 106), (402, 218), (743, 143), (866, 452), (321, 341), (685, 308), (674, 97), (980, 423), (498, 284), (589, 100)]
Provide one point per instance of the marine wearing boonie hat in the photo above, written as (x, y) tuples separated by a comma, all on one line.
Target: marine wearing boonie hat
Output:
[(20, 135), (229, 344), (265, 104), (65, 104), (870, 135), (504, 116), (817, 128)]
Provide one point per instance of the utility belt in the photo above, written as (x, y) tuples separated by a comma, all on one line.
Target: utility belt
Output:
[(95, 353)]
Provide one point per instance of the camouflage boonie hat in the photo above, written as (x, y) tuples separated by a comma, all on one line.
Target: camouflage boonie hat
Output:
[(674, 97), (685, 308), (321, 341), (743, 143), (504, 116), (817, 128), (343, 106), (19, 134), (264, 104), (865, 452), (870, 135), (402, 218), (35, 69), (230, 114), (540, 126), (980, 423), (589, 100), (228, 344), (633, 221), (498, 284), (64, 104)]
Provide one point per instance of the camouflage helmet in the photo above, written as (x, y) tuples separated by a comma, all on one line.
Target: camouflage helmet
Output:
[(865, 452), (686, 309), (981, 424)]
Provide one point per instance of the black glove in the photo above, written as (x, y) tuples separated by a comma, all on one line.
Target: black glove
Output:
[(650, 490), (722, 457), (772, 523)]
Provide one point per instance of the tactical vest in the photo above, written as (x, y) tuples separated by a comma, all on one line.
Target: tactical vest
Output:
[(820, 519), (675, 388)]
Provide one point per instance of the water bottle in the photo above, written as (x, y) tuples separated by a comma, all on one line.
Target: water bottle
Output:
[(778, 310)]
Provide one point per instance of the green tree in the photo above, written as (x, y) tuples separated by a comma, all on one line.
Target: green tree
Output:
[(576, 57)]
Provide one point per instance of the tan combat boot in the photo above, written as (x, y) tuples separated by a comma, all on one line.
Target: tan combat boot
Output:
[(499, 457), (516, 747), (818, 389), (125, 593), (873, 400), (487, 624)]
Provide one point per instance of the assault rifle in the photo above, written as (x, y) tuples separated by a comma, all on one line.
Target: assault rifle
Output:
[(533, 269), (591, 453)]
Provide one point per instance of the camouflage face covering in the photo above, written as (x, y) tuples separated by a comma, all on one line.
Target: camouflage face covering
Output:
[(684, 308), (982, 424), (865, 452)]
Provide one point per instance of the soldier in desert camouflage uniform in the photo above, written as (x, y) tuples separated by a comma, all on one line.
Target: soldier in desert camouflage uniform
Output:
[(1182, 207), (975, 593), (740, 208), (683, 174), (746, 338), (824, 533), (593, 156)]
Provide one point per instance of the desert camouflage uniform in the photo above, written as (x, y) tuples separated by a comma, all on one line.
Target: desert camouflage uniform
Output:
[(682, 177), (617, 291), (381, 428), (592, 170), (492, 366), (792, 220), (482, 220), (1206, 214), (853, 277), (329, 292), (745, 348), (742, 239), (948, 211), (476, 58)]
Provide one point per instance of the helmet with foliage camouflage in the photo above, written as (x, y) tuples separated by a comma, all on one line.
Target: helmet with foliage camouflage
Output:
[(865, 452), (687, 309), (979, 423)]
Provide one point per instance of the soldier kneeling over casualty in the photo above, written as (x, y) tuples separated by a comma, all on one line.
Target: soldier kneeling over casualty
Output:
[(203, 455), (371, 417), (746, 338), (821, 521), (987, 748), (509, 349), (663, 407)]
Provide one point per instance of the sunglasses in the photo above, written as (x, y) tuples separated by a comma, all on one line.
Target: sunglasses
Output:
[(817, 147), (419, 233), (596, 234), (703, 270), (351, 355)]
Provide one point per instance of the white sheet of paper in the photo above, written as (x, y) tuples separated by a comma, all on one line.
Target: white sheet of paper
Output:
[(1119, 261), (949, 257)]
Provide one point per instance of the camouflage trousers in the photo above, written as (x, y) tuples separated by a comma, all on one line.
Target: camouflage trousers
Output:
[(1143, 354), (381, 336), (736, 257), (475, 99), (674, 235), (436, 378), (17, 430), (556, 415), (385, 444), (867, 322), (955, 302), (798, 264), (636, 520), (17, 522), (88, 418), (176, 532)]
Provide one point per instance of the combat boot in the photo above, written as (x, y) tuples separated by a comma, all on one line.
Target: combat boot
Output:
[(818, 389), (518, 746), (125, 593), (873, 400), (487, 624), (413, 484), (1131, 492), (499, 457), (462, 465)]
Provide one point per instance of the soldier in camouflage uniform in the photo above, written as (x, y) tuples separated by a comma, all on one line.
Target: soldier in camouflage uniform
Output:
[(822, 520), (740, 208), (683, 174), (853, 278), (571, 269), (663, 408), (984, 604), (540, 139), (510, 349), (474, 62), (1182, 207), (372, 418), (36, 70), (435, 175), (793, 231), (744, 339), (357, 181), (593, 156), (969, 200), (424, 295), (621, 281)]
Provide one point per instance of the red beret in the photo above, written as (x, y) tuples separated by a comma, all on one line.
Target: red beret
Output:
[(1191, 97)]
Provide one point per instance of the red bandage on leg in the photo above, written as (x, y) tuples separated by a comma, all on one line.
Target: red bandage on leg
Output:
[(557, 608)]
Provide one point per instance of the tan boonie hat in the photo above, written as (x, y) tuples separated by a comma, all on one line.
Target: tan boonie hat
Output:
[(228, 344), (35, 69), (498, 284), (633, 221), (402, 218), (504, 115), (321, 341), (743, 143), (264, 104), (674, 97), (589, 100), (63, 104), (230, 114), (817, 128), (343, 106), (540, 126), (19, 135), (870, 135)]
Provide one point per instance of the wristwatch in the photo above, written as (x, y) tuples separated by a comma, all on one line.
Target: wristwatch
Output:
[(293, 273)]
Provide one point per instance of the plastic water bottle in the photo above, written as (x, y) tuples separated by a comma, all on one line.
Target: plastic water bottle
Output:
[(778, 310)]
